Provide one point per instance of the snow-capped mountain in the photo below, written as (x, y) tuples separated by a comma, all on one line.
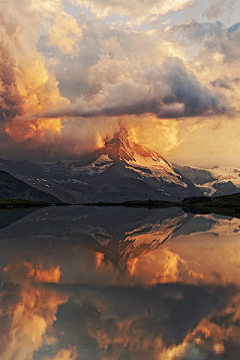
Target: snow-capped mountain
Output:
[(220, 180), (119, 171)]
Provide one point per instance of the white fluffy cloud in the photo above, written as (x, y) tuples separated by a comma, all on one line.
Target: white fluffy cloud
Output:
[(135, 8)]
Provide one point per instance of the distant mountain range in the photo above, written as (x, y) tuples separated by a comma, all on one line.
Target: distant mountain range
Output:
[(218, 181), (119, 171)]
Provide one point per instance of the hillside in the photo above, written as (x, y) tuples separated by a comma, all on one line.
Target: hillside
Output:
[(12, 188)]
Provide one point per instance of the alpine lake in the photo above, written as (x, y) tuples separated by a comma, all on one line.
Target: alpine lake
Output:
[(117, 283)]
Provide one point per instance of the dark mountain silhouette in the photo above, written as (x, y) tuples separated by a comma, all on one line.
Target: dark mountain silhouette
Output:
[(12, 188)]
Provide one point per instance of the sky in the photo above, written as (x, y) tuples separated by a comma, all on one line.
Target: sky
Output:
[(73, 72)]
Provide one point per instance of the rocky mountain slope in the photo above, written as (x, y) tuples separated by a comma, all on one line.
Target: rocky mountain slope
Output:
[(119, 171), (12, 188), (218, 181)]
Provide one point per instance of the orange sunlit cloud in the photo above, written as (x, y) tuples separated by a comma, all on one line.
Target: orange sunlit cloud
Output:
[(26, 270), (99, 259), (65, 354), (21, 131), (31, 320), (65, 33), (156, 267)]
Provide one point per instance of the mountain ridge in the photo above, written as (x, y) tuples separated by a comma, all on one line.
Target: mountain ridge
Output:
[(13, 188), (217, 181), (121, 170)]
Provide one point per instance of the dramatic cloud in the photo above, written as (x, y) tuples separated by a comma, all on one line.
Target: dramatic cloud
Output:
[(167, 92), (135, 8), (26, 83), (28, 319), (226, 83), (71, 71)]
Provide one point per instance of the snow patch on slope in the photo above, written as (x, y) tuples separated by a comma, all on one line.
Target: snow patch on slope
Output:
[(95, 168), (223, 227), (207, 188), (225, 174), (159, 169), (152, 234)]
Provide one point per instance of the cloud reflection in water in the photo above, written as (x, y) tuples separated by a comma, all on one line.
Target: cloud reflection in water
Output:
[(103, 283)]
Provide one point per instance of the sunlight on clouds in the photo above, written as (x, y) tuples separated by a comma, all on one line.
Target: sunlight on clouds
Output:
[(210, 335), (171, 133), (174, 5), (187, 70), (99, 259), (50, 275), (163, 266), (172, 50), (61, 28), (23, 130), (134, 8), (198, 125), (30, 319), (160, 135), (174, 352), (64, 354), (156, 267), (132, 135), (27, 84), (27, 270), (65, 33), (219, 57), (36, 86), (48, 6)]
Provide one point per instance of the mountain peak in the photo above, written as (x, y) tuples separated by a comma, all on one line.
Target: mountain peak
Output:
[(121, 147), (123, 133), (121, 137)]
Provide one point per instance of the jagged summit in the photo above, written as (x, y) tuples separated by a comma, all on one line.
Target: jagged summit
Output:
[(121, 147)]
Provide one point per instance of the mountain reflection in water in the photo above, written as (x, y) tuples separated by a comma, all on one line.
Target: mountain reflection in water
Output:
[(86, 283)]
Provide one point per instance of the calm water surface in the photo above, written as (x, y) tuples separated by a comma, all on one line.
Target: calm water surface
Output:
[(89, 283)]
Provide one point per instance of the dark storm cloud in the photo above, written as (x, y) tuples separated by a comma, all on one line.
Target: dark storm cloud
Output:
[(225, 83), (197, 98), (167, 92), (194, 31), (232, 29), (169, 312)]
